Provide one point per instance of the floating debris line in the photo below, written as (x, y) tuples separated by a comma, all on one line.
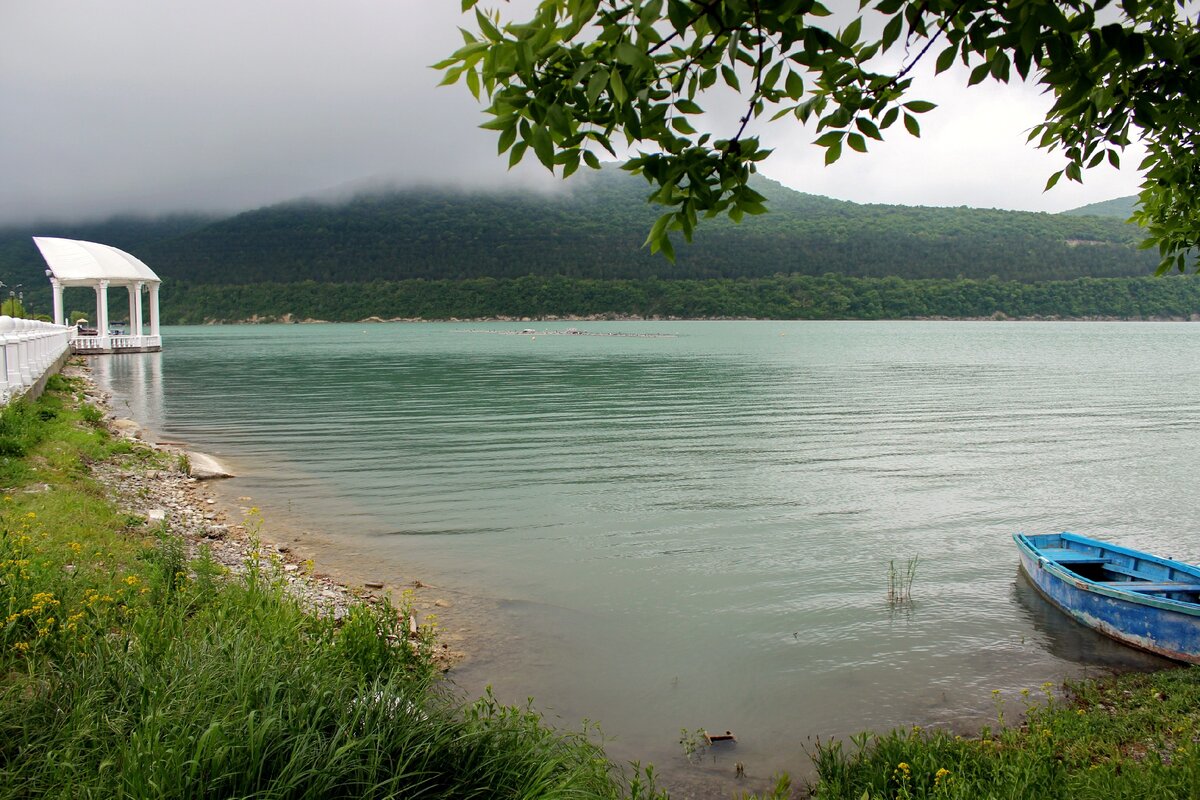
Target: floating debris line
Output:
[(574, 332)]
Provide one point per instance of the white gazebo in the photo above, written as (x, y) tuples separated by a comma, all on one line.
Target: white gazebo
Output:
[(77, 263)]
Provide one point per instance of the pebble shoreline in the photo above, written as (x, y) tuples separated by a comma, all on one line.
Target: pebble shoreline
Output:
[(189, 510)]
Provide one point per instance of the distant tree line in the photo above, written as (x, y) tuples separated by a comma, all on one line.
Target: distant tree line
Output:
[(775, 297)]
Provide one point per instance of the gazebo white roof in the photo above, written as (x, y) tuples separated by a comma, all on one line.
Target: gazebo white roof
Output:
[(77, 263)]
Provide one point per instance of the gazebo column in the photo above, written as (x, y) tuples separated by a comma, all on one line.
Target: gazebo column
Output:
[(102, 313), (58, 301), (153, 309), (130, 290), (135, 329)]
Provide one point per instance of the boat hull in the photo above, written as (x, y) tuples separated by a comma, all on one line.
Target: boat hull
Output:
[(1166, 627)]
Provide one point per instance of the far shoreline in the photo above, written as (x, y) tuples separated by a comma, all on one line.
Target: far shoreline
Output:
[(288, 319)]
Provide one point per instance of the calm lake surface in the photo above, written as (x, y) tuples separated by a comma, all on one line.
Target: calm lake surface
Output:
[(693, 529)]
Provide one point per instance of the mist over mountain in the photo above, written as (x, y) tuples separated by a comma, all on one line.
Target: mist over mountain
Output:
[(594, 230)]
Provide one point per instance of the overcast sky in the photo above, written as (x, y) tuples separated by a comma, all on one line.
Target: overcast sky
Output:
[(157, 106)]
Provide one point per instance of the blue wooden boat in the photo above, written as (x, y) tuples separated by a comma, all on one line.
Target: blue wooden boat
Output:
[(1141, 600)]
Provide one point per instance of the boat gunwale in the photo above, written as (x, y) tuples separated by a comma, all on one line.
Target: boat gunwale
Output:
[(1062, 573)]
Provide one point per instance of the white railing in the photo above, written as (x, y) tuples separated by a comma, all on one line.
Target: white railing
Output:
[(114, 342), (85, 343), (134, 341), (30, 348)]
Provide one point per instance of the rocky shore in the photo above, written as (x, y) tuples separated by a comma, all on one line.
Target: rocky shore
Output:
[(181, 496)]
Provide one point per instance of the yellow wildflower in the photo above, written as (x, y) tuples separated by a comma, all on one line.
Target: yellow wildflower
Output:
[(132, 580)]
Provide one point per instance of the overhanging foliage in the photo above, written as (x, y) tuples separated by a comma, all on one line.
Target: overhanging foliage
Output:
[(581, 73)]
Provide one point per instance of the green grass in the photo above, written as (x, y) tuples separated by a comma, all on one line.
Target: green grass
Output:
[(127, 670), (1131, 736)]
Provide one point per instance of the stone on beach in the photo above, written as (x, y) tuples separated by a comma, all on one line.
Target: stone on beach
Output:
[(204, 467), (127, 428)]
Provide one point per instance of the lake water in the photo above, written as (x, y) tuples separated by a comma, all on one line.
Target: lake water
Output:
[(692, 528)]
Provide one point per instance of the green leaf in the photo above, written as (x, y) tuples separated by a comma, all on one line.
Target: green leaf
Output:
[(833, 153), (891, 31), (667, 248), (772, 76), (857, 142), (910, 124), (570, 164), (682, 125), (945, 59), (486, 27), (794, 85), (657, 232), (920, 106), (688, 107), (500, 123), (999, 66), (868, 127), (516, 154), (595, 86), (590, 159), (1053, 180), (618, 88), (628, 54), (679, 14), (850, 35), (730, 77), (978, 74), (507, 137), (829, 139), (543, 146)]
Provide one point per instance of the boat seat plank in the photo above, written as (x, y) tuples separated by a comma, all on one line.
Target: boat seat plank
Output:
[(1152, 586), (1065, 556)]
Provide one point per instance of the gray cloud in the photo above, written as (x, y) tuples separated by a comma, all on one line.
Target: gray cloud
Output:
[(156, 107)]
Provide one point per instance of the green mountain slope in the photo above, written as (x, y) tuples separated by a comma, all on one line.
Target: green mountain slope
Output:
[(595, 228), (588, 233), (1121, 207)]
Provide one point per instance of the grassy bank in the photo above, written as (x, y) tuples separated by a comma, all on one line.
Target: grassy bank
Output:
[(129, 669), (1130, 736)]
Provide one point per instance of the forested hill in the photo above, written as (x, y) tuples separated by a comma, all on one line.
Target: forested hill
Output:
[(594, 228), (1121, 207)]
